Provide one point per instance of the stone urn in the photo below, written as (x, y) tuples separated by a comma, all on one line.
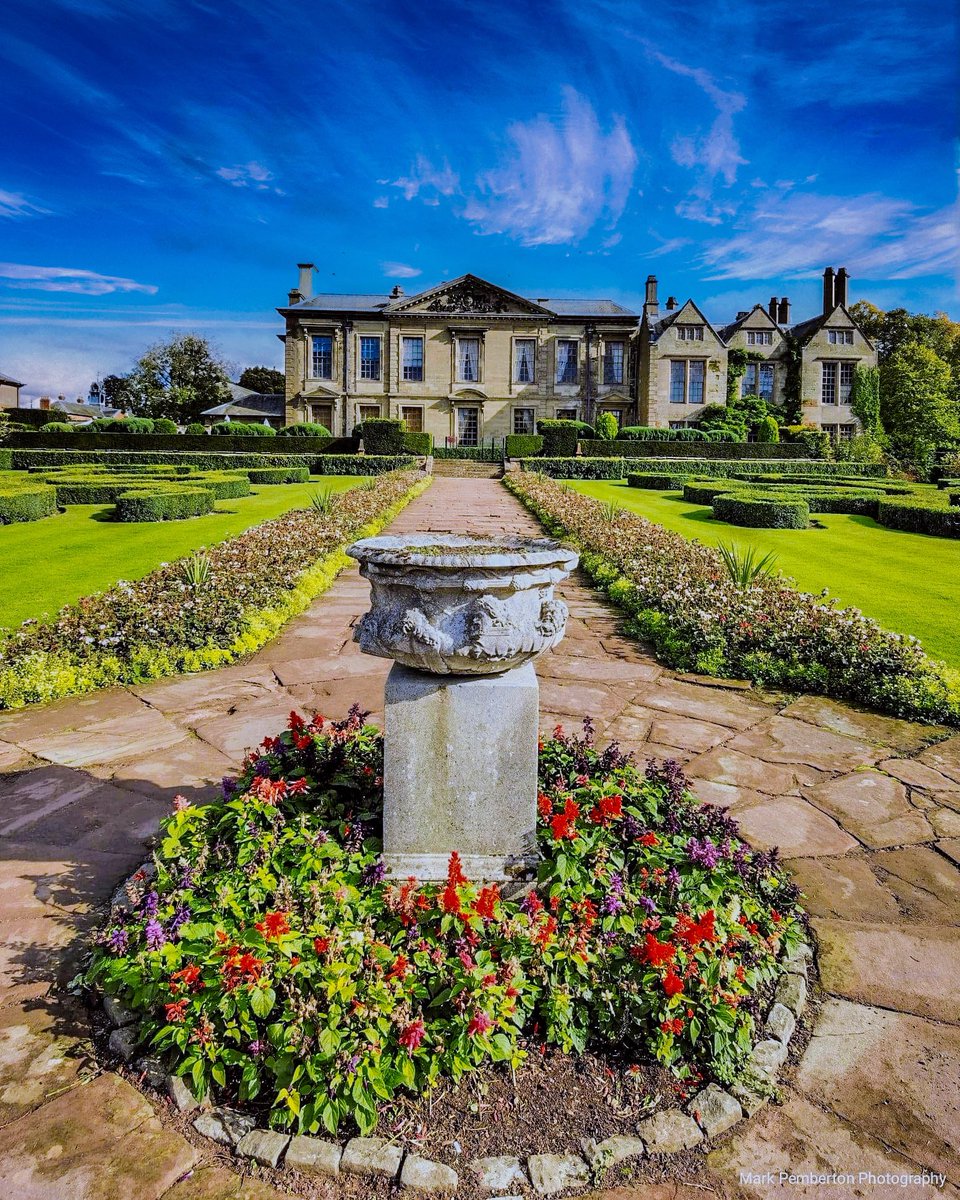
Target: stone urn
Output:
[(462, 617), (453, 605)]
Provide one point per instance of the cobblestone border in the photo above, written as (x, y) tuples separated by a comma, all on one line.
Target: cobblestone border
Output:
[(711, 1112)]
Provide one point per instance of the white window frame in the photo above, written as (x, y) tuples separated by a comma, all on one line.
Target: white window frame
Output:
[(370, 337), (404, 377), (689, 333), (840, 337), (515, 367), (753, 371), (759, 337), (314, 354), (458, 341), (518, 412), (458, 409), (575, 343), (845, 381)]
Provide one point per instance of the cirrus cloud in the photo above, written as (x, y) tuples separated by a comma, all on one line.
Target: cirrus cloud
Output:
[(68, 279)]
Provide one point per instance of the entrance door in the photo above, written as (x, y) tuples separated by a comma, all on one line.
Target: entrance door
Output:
[(468, 426)]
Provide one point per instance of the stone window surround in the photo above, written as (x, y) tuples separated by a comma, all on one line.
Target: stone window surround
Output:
[(765, 337), (523, 337), (402, 338), (604, 342), (840, 337), (359, 378), (309, 335), (832, 381), (577, 342), (404, 408), (456, 336), (455, 421), (686, 381), (689, 331), (369, 416), (523, 408)]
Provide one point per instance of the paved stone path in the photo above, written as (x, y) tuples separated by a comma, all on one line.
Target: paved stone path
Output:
[(865, 808)]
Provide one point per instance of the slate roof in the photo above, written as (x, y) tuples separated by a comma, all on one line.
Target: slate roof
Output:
[(727, 331), (249, 404), (7, 379)]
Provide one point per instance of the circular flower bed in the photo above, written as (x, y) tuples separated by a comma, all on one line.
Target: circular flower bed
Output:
[(271, 962)]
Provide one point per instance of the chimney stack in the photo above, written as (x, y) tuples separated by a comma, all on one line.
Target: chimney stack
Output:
[(783, 312), (840, 287), (828, 304), (305, 286), (651, 306), (397, 292), (772, 308), (671, 303)]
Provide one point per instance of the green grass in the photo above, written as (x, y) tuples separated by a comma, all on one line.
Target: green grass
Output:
[(909, 582), (50, 563)]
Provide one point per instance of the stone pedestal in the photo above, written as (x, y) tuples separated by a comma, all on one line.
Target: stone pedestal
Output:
[(460, 773)]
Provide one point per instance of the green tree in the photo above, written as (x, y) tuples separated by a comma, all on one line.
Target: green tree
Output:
[(606, 426), (263, 379), (768, 430), (113, 391), (917, 407), (178, 379)]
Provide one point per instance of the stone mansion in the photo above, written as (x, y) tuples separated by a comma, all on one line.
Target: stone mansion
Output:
[(468, 360)]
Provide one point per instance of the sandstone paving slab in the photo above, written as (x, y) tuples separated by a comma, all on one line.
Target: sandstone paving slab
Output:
[(725, 795), (727, 765), (99, 1141), (912, 969), (687, 734), (843, 887), (235, 734), (701, 1190), (785, 740), (334, 700), (661, 753), (319, 670), (191, 767), (943, 757), (108, 741), (112, 821), (944, 821), (718, 706), (13, 757), (917, 775), (44, 1050), (874, 808), (76, 712), (951, 848), (926, 885), (217, 1183), (630, 728), (855, 1053), (801, 1138), (795, 826), (595, 668), (41, 792), (210, 693), (580, 699), (906, 736)]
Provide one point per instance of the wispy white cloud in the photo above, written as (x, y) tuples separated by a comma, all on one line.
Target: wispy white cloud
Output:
[(68, 279), (398, 270), (427, 182), (15, 205), (249, 175), (558, 178), (794, 233), (381, 202)]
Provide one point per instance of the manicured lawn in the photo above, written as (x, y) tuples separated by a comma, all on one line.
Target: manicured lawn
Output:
[(49, 563), (909, 582)]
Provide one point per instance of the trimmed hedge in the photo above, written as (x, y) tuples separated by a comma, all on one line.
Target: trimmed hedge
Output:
[(56, 427), (417, 443), (576, 468), (523, 445), (32, 502), (29, 460), (382, 435), (252, 429), (743, 451), (6, 460), (573, 468), (560, 437), (167, 503), (279, 474), (657, 433), (761, 512), (360, 464), (916, 514), (469, 453), (104, 488), (662, 483), (86, 439), (305, 429)]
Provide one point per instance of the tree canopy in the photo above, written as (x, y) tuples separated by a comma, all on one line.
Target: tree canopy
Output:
[(916, 404), (178, 379), (265, 380)]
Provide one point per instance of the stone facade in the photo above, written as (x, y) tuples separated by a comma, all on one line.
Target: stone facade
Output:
[(9, 392), (469, 361)]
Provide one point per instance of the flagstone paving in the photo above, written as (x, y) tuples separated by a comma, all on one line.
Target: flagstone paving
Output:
[(865, 808)]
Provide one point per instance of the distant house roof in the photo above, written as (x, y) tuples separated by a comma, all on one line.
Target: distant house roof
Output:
[(727, 331), (10, 382), (247, 403), (73, 408)]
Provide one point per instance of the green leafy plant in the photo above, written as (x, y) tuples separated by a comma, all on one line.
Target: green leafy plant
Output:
[(611, 511), (745, 567), (324, 501), (196, 569), (607, 427)]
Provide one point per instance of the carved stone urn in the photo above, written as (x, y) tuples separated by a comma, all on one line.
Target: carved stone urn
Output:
[(455, 605), (462, 617)]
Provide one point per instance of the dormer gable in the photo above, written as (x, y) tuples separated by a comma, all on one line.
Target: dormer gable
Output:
[(686, 324)]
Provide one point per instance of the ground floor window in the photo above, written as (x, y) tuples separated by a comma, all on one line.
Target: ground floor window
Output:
[(468, 426), (524, 420), (680, 424), (758, 381), (847, 432), (322, 414), (369, 412), (687, 376), (566, 414), (615, 412), (412, 415)]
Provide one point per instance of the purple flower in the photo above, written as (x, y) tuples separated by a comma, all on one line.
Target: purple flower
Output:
[(374, 873), (616, 884), (631, 827), (704, 853), (228, 785), (530, 904), (649, 904), (611, 905), (261, 767), (118, 941), (352, 1063), (255, 1048), (188, 877), (181, 915), (149, 904), (154, 934), (673, 878)]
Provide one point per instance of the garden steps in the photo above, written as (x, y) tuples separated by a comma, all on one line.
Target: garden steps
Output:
[(462, 468), (885, 1059)]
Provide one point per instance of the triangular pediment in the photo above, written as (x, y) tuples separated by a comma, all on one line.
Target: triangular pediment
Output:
[(468, 296), (320, 391)]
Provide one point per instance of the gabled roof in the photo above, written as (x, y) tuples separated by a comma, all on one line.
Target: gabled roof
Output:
[(727, 331), (658, 328), (11, 382), (253, 404), (806, 329)]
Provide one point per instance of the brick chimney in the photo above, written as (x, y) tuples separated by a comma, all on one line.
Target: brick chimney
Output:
[(783, 311), (840, 283), (772, 308), (651, 306), (828, 303)]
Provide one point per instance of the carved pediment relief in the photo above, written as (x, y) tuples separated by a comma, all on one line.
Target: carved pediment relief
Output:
[(467, 295)]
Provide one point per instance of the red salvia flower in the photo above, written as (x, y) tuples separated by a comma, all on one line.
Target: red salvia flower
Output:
[(649, 839), (563, 825), (480, 1024), (455, 873), (450, 900), (321, 944), (412, 1035), (400, 967), (672, 984), (695, 932), (544, 805), (657, 953), (486, 900), (176, 1012), (274, 924)]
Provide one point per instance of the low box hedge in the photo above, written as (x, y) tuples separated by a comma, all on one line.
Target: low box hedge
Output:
[(26, 460), (180, 442), (417, 443), (568, 468), (171, 502), (661, 483), (6, 460), (29, 502), (761, 512), (360, 464), (576, 468), (741, 451), (920, 514), (278, 474), (469, 453), (523, 445)]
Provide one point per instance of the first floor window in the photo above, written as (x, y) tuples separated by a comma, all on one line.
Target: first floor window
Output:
[(524, 420), (468, 426), (758, 380), (846, 381), (566, 361), (322, 414), (321, 364), (412, 358), (828, 382), (412, 417), (613, 362), (524, 354), (759, 337), (369, 358), (468, 360), (687, 379)]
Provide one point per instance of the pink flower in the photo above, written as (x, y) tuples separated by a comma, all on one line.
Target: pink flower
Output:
[(412, 1035), (180, 803), (480, 1024)]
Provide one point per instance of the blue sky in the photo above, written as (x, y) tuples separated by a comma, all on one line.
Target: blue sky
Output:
[(166, 164)]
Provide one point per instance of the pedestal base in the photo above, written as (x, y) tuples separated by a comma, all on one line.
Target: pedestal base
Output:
[(460, 773)]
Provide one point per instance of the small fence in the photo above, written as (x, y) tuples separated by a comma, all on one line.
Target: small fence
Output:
[(489, 450)]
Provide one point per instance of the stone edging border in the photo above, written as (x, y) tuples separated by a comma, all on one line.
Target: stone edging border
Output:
[(710, 1113)]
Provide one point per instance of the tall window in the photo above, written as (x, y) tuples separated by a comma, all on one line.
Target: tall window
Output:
[(846, 381), (524, 420), (687, 379), (369, 358), (468, 360), (524, 354), (321, 364), (613, 362), (468, 426), (369, 412), (412, 358), (322, 414), (840, 337), (412, 418), (690, 333), (758, 380), (566, 361), (828, 383)]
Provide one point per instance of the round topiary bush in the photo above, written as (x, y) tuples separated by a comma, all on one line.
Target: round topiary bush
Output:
[(269, 959), (761, 512), (164, 502), (195, 429), (305, 429)]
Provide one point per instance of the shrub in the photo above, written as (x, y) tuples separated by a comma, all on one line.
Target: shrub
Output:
[(607, 427), (164, 503), (814, 441), (616, 468), (26, 502), (664, 483), (195, 429), (480, 453), (560, 437), (43, 460), (523, 445), (415, 442), (761, 512), (124, 425), (279, 474), (164, 425), (645, 433), (242, 429), (270, 953), (576, 468), (6, 460), (684, 448), (58, 427), (859, 449), (359, 464), (382, 436), (682, 601), (305, 429), (932, 513), (768, 430)]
